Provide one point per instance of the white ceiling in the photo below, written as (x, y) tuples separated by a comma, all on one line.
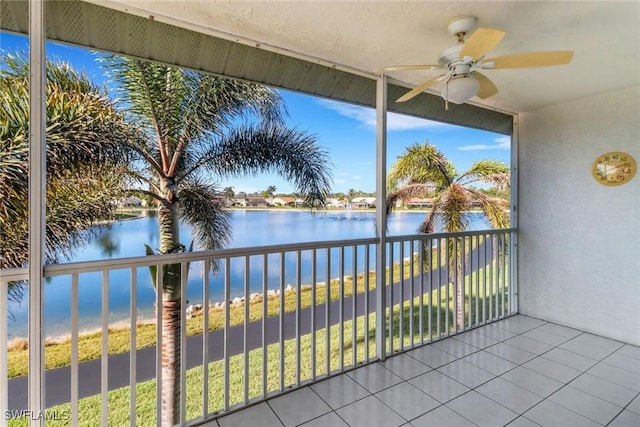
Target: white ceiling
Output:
[(363, 35)]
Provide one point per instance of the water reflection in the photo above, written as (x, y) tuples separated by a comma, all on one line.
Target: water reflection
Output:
[(108, 245)]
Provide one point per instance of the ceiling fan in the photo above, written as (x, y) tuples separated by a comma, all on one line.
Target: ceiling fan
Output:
[(460, 80)]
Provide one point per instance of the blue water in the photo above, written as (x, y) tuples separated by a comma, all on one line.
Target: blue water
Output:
[(250, 229)]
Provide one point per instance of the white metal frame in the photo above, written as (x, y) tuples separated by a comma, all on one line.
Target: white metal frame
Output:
[(514, 198), (381, 212), (37, 204)]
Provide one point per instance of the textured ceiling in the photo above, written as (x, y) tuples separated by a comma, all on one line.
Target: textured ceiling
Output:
[(364, 35)]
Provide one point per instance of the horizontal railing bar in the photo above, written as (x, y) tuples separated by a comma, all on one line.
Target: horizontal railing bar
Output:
[(13, 274), (448, 235), (143, 261)]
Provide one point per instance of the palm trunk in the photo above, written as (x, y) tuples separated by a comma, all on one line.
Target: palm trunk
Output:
[(170, 362), (456, 278), (459, 296), (171, 326)]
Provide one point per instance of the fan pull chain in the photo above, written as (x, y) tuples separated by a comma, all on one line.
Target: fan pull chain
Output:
[(446, 101)]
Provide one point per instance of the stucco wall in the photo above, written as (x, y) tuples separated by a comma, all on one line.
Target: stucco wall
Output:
[(579, 241)]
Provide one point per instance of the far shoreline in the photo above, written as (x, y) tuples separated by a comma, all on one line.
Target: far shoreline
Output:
[(283, 209)]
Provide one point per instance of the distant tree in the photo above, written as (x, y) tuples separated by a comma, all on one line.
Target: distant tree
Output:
[(423, 171), (295, 196), (351, 194), (502, 193), (269, 192), (228, 193), (146, 198)]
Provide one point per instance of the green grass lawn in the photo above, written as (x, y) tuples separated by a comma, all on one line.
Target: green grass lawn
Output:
[(58, 354)]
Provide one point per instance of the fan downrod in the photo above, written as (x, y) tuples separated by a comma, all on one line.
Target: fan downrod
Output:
[(458, 27)]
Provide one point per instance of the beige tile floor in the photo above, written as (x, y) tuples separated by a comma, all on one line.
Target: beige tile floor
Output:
[(519, 371)]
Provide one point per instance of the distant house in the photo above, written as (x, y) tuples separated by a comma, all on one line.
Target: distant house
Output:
[(239, 202), (283, 201), (363, 202), (130, 202), (335, 203), (415, 202), (257, 202)]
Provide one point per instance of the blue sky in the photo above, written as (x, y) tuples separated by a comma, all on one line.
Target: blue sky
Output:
[(345, 131)]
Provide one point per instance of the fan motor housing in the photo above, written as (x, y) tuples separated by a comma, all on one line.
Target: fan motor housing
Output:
[(460, 70)]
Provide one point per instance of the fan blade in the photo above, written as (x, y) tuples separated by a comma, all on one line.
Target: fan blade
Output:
[(531, 59), (480, 42), (487, 88), (408, 67), (416, 91)]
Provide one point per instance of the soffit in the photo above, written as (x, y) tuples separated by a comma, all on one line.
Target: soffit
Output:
[(105, 29)]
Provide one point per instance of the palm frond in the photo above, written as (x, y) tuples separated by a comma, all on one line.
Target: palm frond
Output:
[(86, 151), (489, 172), (428, 226), (494, 208), (291, 153), (202, 207), (180, 108), (453, 206), (407, 192), (218, 101), (422, 163)]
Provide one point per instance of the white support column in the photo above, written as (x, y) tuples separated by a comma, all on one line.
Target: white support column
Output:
[(37, 205), (513, 256), (381, 215)]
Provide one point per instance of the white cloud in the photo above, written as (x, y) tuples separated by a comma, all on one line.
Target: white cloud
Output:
[(367, 116), (502, 143)]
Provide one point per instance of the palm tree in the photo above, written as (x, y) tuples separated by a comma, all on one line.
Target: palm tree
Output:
[(85, 160), (423, 171), (351, 194), (228, 192), (192, 123), (270, 191)]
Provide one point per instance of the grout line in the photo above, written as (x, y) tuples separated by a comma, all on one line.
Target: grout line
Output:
[(582, 415), (274, 412)]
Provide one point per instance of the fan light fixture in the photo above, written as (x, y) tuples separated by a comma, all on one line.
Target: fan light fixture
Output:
[(460, 89)]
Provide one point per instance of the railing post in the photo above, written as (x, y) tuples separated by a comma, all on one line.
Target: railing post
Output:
[(4, 385), (37, 205), (381, 214), (513, 241)]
